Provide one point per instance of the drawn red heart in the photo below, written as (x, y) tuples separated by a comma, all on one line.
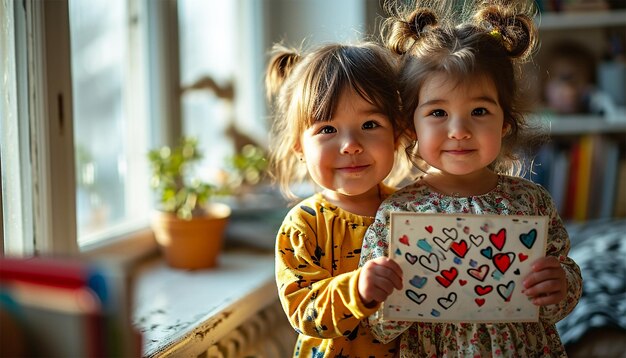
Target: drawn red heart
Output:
[(503, 261), (522, 257), (429, 229), (405, 240), (480, 301), (462, 282), (447, 277), (479, 273), (459, 248), (498, 239), (483, 290)]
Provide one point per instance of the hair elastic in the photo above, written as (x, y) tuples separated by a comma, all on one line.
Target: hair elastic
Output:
[(496, 33)]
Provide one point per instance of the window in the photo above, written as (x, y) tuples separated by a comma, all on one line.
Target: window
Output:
[(90, 86)]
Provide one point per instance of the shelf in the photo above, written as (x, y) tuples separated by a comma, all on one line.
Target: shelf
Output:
[(578, 20), (581, 124)]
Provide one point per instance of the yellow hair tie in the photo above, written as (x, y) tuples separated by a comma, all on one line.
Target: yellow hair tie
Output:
[(496, 33)]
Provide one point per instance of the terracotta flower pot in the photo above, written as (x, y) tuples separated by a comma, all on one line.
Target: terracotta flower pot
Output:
[(195, 243)]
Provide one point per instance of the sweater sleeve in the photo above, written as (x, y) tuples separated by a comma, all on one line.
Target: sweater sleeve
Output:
[(317, 304), (376, 244), (558, 245)]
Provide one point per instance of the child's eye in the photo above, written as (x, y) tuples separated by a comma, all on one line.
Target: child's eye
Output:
[(438, 113), (479, 112), (327, 130), (370, 125)]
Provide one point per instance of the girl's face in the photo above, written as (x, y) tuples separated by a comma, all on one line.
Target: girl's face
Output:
[(459, 125), (353, 152)]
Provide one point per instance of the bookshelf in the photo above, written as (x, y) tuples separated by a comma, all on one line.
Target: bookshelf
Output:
[(584, 164)]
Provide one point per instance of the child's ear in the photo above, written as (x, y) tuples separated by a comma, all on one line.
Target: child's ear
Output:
[(506, 128), (297, 151)]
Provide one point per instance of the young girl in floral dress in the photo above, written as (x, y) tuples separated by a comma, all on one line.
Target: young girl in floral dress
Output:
[(459, 88)]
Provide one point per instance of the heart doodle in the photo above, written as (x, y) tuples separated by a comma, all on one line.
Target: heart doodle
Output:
[(528, 240), (483, 290), (479, 273), (477, 240), (522, 257), (462, 282), (443, 243), (498, 239), (418, 281), (451, 233), (459, 248), (503, 261), (447, 302), (429, 229), (447, 277), (505, 291), (487, 252), (412, 259), (430, 262), (415, 297), (435, 313), (480, 301), (424, 245), (405, 240), (466, 230)]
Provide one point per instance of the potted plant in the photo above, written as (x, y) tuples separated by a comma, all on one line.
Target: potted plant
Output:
[(188, 227)]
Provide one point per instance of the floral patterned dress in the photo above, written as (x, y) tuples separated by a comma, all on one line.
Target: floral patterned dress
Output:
[(512, 196)]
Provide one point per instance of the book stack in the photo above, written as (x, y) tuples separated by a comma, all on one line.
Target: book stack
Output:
[(586, 177), (68, 308)]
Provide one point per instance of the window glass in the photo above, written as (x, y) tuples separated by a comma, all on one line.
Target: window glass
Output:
[(208, 31), (110, 128)]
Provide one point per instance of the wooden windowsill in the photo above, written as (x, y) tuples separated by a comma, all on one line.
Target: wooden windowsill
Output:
[(182, 312)]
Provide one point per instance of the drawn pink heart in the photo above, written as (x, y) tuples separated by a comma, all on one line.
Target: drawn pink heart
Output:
[(405, 240), (503, 261), (410, 258), (479, 273), (498, 239)]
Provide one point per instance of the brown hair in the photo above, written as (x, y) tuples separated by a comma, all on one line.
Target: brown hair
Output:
[(307, 89), (493, 39)]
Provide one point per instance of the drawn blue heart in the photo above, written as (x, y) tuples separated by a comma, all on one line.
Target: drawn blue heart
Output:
[(415, 297), (398, 252), (529, 239), (424, 245), (497, 275), (473, 263), (418, 282), (505, 291), (487, 252), (435, 313), (457, 261)]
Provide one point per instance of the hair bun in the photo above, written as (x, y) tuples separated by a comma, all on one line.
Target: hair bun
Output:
[(516, 30), (282, 61), (405, 32)]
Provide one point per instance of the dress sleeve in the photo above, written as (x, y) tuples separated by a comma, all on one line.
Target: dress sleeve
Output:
[(376, 244), (316, 303), (558, 245)]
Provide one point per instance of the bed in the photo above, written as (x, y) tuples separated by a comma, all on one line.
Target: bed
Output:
[(597, 326)]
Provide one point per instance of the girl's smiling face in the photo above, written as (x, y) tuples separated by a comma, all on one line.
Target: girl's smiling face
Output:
[(459, 125), (352, 152)]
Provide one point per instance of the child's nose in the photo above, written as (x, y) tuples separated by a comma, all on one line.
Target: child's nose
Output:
[(351, 145), (458, 129)]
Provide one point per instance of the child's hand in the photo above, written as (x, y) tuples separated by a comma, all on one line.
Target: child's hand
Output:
[(378, 279), (546, 284)]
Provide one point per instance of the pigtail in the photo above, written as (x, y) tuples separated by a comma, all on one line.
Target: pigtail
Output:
[(280, 65), (404, 33), (516, 31)]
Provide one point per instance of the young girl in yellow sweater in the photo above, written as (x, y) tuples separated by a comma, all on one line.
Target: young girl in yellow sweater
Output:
[(336, 123)]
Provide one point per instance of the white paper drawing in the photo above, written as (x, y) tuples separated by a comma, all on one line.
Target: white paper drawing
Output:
[(464, 268)]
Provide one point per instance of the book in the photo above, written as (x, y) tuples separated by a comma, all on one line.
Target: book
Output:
[(609, 174), (583, 177), (70, 308)]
